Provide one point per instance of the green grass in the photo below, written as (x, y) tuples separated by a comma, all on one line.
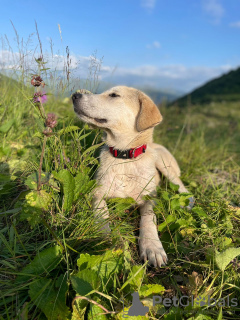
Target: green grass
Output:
[(51, 251)]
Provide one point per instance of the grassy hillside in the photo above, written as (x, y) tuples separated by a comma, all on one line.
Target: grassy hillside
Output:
[(56, 264), (224, 88)]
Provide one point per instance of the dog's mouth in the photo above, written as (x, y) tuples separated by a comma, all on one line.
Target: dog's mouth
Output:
[(81, 113), (100, 120)]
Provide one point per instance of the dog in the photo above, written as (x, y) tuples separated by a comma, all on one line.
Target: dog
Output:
[(129, 161)]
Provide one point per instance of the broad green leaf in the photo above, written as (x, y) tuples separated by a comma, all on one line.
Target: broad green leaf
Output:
[(39, 199), (168, 220), (185, 222), (7, 126), (105, 265), (4, 151), (82, 184), (68, 183), (175, 204), (85, 281), (36, 202), (45, 261), (32, 180), (111, 262), (200, 212), (85, 260), (135, 277), (225, 257), (173, 186), (96, 312), (50, 297), (165, 195), (89, 186), (149, 289)]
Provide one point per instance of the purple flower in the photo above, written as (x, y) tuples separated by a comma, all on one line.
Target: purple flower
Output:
[(51, 120), (40, 97), (37, 81)]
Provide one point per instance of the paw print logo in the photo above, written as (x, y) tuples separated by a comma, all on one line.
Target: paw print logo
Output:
[(201, 301)]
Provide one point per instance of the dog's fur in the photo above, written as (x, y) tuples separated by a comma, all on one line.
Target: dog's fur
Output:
[(128, 117)]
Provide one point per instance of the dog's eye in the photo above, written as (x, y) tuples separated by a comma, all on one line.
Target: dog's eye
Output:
[(113, 95)]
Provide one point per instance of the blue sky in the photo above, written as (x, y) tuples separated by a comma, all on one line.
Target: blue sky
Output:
[(177, 44)]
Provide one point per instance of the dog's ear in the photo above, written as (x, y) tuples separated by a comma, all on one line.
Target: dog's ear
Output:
[(149, 115)]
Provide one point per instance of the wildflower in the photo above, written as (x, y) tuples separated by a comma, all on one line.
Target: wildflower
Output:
[(40, 97), (51, 120), (40, 59), (37, 81), (48, 132)]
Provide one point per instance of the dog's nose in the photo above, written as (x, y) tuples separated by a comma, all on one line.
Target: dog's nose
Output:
[(76, 96)]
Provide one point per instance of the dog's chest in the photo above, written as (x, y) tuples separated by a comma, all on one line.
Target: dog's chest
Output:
[(127, 178)]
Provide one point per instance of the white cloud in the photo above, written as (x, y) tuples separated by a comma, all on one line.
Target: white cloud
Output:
[(149, 4), (177, 77), (235, 24), (214, 9), (14, 60), (155, 44)]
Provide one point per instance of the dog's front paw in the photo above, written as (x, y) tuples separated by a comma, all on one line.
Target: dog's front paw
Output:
[(152, 250)]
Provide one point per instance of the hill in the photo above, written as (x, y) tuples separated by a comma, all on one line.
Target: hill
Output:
[(224, 88), (157, 95)]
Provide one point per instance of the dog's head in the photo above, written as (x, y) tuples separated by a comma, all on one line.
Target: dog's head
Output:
[(119, 108)]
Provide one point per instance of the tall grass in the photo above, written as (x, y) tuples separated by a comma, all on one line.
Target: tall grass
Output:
[(56, 264)]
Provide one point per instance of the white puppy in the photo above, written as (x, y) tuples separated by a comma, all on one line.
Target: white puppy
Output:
[(129, 162)]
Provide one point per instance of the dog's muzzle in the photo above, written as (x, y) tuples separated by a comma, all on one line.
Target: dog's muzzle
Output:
[(76, 96)]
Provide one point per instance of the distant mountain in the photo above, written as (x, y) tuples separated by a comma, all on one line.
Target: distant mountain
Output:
[(157, 95), (224, 88)]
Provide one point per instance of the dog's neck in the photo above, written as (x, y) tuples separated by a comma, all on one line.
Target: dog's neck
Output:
[(126, 140)]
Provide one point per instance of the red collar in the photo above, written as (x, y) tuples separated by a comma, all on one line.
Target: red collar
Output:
[(128, 154)]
